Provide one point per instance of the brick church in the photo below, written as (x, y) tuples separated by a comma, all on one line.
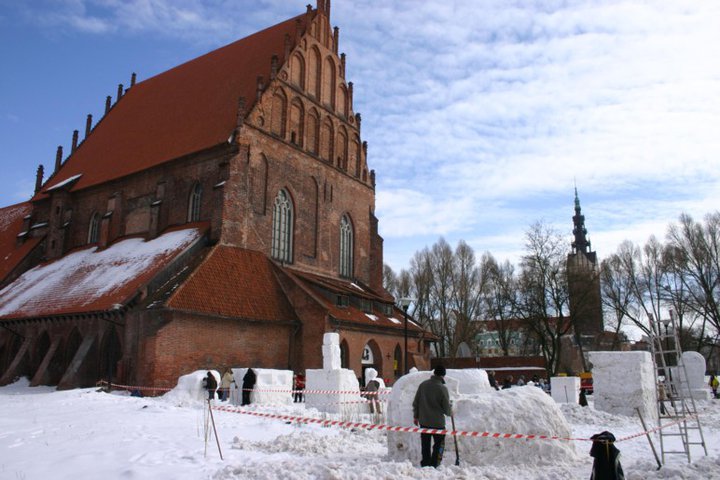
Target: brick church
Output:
[(219, 214)]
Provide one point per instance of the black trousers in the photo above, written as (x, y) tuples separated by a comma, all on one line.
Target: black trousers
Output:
[(432, 459)]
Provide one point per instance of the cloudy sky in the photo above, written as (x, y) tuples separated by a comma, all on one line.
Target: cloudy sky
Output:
[(481, 116)]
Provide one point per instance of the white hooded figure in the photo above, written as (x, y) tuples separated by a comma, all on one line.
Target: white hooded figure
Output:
[(373, 386)]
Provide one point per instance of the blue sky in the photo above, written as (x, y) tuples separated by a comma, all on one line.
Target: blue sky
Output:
[(481, 116)]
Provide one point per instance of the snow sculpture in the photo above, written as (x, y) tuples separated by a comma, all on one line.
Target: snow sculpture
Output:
[(189, 388), (624, 381), (478, 407), (565, 389), (272, 387), (695, 367), (332, 378)]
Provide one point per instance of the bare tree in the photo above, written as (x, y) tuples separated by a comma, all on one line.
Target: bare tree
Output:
[(500, 300), (543, 298), (390, 280)]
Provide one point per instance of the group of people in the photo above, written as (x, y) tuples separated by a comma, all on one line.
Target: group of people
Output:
[(211, 385), (508, 381)]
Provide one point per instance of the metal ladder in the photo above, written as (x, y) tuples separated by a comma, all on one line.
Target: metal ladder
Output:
[(675, 402)]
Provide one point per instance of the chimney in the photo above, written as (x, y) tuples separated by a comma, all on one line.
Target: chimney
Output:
[(273, 67), (88, 125), (119, 92), (342, 65), (327, 8), (350, 95), (39, 178), (133, 77), (74, 141), (259, 86), (108, 104), (58, 158), (358, 119), (320, 5), (336, 39)]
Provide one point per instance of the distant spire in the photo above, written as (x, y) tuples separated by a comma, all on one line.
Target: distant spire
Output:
[(581, 243)]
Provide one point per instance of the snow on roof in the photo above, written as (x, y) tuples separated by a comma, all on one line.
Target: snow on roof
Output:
[(372, 317), (64, 182), (357, 286), (394, 320), (89, 280)]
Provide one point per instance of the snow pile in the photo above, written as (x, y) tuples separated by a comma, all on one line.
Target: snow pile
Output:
[(624, 381), (524, 410), (565, 389), (267, 380), (334, 379), (189, 389)]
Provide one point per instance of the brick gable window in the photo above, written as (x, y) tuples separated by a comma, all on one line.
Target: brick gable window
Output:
[(94, 228), (194, 203), (346, 247), (282, 232)]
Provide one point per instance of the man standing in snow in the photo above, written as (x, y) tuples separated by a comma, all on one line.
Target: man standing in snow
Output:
[(210, 385), (431, 404)]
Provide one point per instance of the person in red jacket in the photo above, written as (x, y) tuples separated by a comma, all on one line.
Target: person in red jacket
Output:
[(299, 387)]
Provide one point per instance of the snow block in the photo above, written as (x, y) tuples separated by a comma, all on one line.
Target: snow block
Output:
[(334, 380), (624, 381), (565, 389), (695, 366), (189, 389), (331, 357), (266, 379), (331, 338), (527, 411)]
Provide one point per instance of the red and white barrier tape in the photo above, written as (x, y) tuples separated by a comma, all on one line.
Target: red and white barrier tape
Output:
[(370, 426), (390, 428), (304, 392)]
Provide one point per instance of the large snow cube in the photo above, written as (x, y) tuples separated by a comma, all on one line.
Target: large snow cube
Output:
[(272, 387), (565, 389), (331, 338), (334, 381), (624, 382)]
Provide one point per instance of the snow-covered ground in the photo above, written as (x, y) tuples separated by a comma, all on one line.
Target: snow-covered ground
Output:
[(85, 434)]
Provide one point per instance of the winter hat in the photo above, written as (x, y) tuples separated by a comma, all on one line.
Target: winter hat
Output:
[(439, 371)]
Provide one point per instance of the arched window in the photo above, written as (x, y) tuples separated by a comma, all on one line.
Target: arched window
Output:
[(282, 233), (94, 229), (194, 203), (346, 247)]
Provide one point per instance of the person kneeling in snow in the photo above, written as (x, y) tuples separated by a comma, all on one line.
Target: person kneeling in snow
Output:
[(431, 404), (606, 465)]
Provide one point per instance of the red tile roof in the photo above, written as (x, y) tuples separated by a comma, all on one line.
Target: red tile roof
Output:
[(352, 313), (91, 280), (184, 110), (235, 282), (11, 222)]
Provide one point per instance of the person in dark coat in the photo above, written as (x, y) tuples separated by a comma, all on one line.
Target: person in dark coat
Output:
[(507, 382), (491, 379), (210, 385), (583, 398), (431, 404), (606, 465), (248, 384)]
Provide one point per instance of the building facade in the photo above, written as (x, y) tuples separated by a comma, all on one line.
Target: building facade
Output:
[(236, 192)]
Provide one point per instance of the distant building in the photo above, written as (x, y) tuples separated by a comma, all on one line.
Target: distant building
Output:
[(220, 214)]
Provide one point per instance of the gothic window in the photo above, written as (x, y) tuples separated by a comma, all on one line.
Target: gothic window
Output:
[(297, 70), (194, 203), (94, 229), (313, 131), (282, 232), (297, 121), (328, 83), (346, 247)]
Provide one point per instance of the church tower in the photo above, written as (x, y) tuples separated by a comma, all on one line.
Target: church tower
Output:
[(583, 280)]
